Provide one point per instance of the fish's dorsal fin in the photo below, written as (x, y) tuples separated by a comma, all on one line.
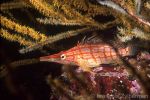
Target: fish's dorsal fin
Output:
[(94, 39)]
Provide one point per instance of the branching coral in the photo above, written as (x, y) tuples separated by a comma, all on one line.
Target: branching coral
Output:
[(22, 29), (13, 5), (63, 12), (126, 35)]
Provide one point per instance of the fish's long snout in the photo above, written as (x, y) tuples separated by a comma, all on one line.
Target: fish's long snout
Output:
[(50, 58), (45, 58)]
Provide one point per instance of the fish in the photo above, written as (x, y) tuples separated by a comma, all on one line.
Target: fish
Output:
[(88, 55)]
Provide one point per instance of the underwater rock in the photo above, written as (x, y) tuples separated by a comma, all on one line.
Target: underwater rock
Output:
[(109, 82)]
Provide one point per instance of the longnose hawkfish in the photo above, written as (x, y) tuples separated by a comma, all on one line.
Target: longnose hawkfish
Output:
[(87, 56)]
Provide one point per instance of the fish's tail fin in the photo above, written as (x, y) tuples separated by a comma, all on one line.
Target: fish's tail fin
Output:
[(133, 50)]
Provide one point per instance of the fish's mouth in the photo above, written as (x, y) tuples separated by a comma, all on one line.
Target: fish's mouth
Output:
[(48, 59)]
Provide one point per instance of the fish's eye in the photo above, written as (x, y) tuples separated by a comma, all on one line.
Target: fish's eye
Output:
[(63, 56)]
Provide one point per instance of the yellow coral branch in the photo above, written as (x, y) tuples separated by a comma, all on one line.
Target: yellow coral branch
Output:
[(73, 14), (82, 5), (76, 17), (13, 37), (22, 29), (13, 5), (52, 39), (97, 10), (128, 34), (91, 9), (45, 9), (54, 21), (129, 8), (50, 11), (147, 5)]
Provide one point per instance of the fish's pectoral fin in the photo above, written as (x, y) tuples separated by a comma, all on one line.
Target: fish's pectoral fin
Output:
[(85, 66)]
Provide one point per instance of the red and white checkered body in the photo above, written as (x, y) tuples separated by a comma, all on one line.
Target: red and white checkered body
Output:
[(94, 54), (91, 55)]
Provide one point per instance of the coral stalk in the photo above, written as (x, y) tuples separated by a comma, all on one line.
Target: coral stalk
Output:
[(22, 29)]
